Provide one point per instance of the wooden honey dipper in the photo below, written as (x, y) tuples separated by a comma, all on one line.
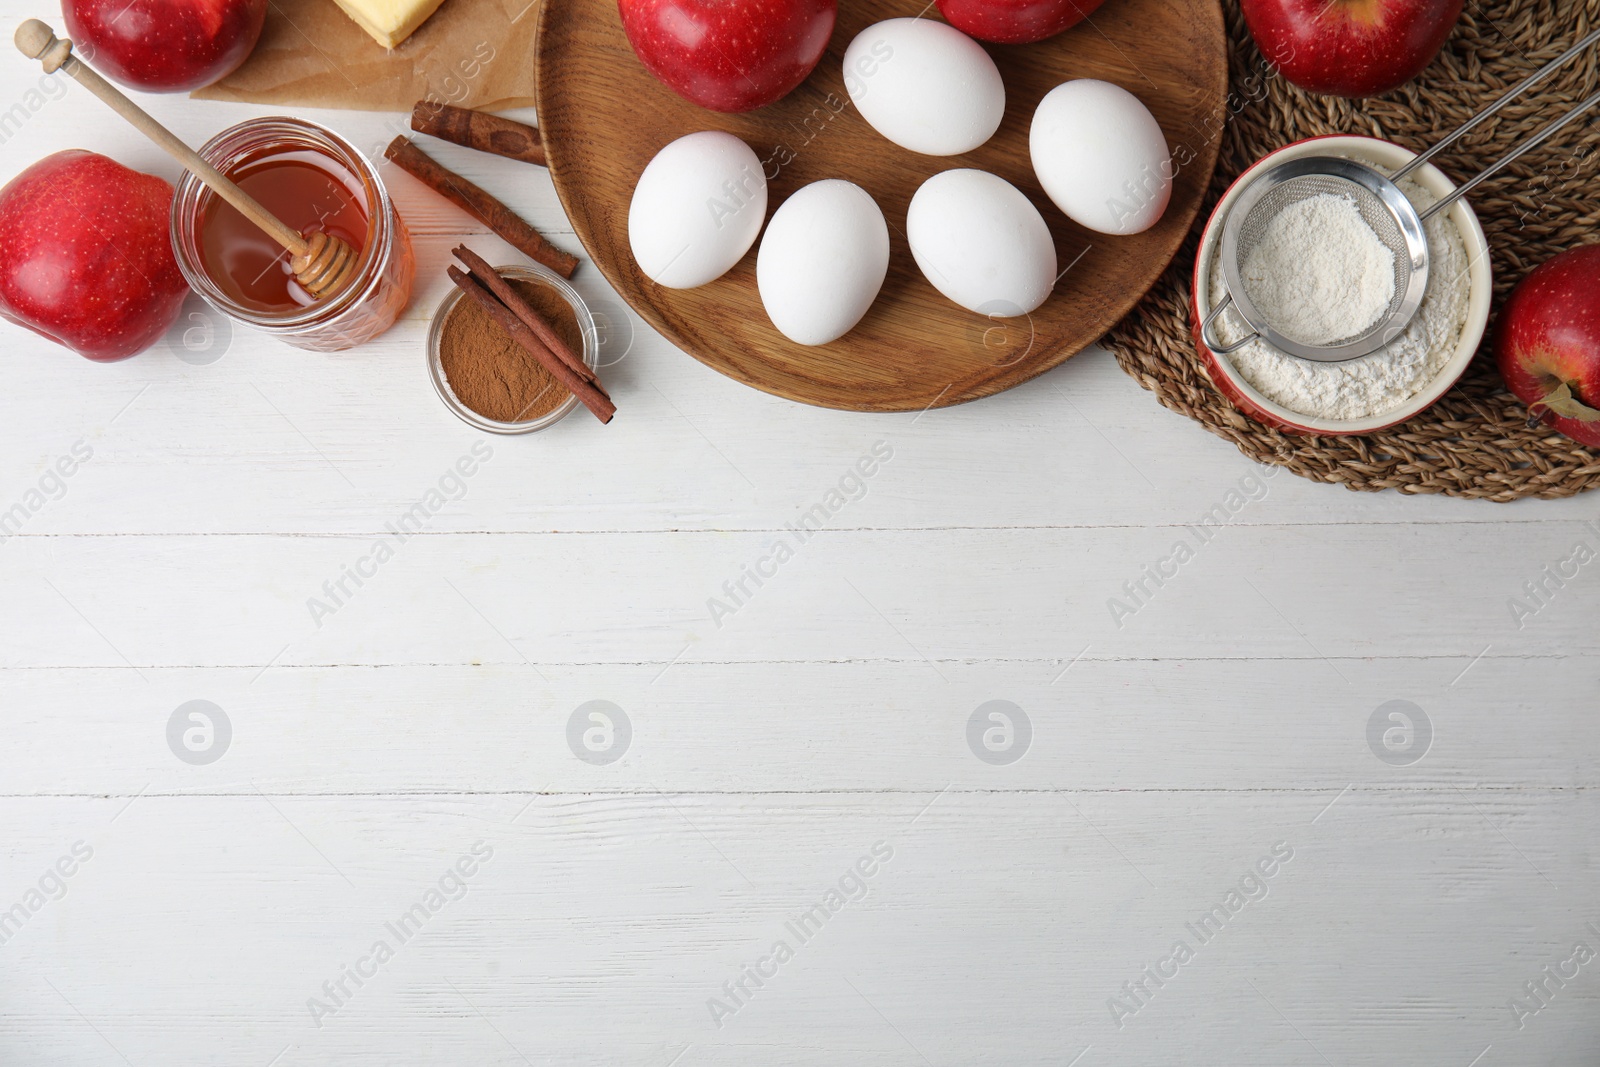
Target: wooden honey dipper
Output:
[(321, 263)]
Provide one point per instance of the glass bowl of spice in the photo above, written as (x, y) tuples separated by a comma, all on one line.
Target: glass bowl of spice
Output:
[(490, 381), (1318, 286)]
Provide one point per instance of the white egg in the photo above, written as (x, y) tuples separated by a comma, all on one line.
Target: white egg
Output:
[(697, 209), (822, 261), (981, 243), (1101, 156), (925, 86)]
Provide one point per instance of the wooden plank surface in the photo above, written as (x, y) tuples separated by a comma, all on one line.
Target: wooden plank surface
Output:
[(766, 755), (995, 933)]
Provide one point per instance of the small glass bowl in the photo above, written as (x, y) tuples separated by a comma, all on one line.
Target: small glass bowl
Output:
[(531, 272)]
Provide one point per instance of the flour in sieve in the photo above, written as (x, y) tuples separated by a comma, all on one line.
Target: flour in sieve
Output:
[(1381, 382), (1319, 274)]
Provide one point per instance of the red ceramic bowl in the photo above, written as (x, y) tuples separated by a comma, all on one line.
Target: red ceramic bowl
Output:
[(1390, 157)]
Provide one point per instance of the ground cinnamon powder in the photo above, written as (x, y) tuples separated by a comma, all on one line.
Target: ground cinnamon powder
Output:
[(492, 374)]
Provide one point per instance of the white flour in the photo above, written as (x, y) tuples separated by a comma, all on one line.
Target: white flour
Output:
[(1319, 274), (1389, 377)]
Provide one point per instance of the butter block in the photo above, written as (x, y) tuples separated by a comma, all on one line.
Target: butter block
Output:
[(389, 21)]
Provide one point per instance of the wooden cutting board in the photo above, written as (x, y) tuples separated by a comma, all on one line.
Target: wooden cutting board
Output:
[(604, 116)]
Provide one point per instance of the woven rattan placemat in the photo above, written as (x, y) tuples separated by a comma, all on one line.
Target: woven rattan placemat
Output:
[(1475, 441)]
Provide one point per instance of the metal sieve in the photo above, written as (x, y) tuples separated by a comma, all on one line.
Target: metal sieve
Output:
[(1396, 221)]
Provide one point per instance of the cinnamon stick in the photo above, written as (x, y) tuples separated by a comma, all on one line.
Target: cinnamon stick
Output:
[(591, 398), (479, 130), (479, 204), (480, 269)]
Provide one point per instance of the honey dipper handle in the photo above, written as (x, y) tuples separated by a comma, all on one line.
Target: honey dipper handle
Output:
[(38, 41)]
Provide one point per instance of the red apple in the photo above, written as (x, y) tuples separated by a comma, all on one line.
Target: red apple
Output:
[(729, 55), (1350, 47), (1547, 343), (85, 256), (1015, 21), (165, 46)]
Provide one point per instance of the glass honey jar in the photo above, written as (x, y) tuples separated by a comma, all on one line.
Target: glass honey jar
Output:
[(314, 180)]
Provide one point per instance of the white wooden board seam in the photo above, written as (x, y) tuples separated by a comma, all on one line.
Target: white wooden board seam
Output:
[(279, 667), (1448, 788), (829, 531)]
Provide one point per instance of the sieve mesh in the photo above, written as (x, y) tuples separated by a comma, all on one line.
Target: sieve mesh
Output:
[(1373, 211)]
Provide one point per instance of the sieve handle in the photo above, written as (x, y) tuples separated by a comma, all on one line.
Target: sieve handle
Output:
[(1526, 146), (1489, 112), (1209, 337)]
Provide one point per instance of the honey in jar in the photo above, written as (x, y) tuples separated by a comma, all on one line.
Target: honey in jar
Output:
[(309, 192), (314, 181)]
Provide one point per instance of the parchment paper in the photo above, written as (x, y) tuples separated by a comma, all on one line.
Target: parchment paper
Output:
[(475, 53)]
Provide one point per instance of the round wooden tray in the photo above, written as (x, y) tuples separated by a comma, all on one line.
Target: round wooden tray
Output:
[(604, 117)]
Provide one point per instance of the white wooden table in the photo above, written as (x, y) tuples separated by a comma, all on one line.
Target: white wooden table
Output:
[(229, 912)]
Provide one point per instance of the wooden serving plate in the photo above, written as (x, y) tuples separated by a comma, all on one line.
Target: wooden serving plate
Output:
[(604, 116)]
